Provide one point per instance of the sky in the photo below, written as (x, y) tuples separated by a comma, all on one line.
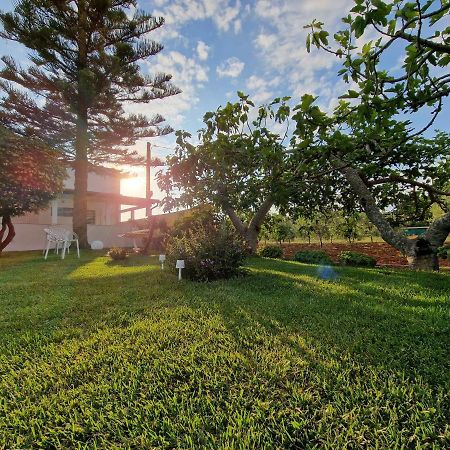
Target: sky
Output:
[(214, 48)]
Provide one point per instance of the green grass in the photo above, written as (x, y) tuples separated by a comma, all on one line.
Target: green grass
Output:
[(121, 355)]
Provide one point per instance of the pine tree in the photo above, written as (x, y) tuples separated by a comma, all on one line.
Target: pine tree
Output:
[(84, 67)]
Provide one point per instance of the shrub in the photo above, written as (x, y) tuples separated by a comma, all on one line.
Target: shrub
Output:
[(312, 257), (211, 251), (444, 252), (117, 253), (357, 259), (271, 251)]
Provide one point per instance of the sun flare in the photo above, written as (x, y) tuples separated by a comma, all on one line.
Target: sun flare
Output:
[(134, 187)]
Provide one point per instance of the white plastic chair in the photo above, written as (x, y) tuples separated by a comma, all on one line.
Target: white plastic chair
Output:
[(60, 238), (53, 236), (70, 237)]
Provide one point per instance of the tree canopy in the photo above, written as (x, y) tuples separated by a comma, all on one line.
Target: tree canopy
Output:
[(383, 155), (31, 175), (240, 164)]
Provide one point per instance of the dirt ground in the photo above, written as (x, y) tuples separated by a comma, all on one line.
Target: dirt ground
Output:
[(382, 252)]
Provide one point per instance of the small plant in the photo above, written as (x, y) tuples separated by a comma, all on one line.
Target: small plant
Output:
[(357, 259), (312, 257), (117, 253), (271, 251), (444, 252)]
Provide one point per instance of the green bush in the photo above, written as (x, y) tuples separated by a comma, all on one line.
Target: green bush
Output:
[(444, 252), (357, 259), (211, 251), (312, 257), (117, 253), (271, 251)]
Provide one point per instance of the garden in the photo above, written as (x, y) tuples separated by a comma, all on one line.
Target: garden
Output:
[(299, 296)]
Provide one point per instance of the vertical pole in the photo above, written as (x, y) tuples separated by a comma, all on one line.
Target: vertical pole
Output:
[(54, 212), (148, 193)]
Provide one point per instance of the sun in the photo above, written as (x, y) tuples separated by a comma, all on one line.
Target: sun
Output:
[(133, 187)]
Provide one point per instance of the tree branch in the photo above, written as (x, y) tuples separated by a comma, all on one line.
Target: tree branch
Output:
[(370, 207)]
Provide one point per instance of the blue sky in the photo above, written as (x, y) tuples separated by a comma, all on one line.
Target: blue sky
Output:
[(215, 47)]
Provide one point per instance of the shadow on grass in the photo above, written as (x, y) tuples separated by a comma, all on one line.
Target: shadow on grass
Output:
[(350, 319), (133, 261), (397, 322)]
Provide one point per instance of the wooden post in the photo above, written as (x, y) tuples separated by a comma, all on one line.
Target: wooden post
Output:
[(148, 193)]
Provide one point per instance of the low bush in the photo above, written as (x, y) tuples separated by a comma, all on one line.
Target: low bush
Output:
[(271, 251), (312, 257), (117, 253), (444, 252), (211, 251), (357, 259)]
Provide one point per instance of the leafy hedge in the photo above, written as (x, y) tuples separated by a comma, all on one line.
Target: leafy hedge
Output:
[(271, 251), (444, 252), (312, 257), (349, 258)]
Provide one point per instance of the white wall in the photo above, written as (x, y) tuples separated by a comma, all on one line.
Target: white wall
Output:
[(32, 236), (96, 182)]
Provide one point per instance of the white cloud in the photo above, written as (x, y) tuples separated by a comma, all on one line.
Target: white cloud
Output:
[(262, 96), (281, 44), (232, 67), (261, 88), (202, 51), (188, 74), (223, 13)]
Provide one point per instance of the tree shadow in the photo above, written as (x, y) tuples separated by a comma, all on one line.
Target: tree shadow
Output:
[(350, 319)]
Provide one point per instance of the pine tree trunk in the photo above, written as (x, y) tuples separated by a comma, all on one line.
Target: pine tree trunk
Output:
[(6, 224), (81, 182), (81, 142)]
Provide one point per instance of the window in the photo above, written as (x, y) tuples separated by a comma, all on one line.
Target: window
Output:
[(68, 212)]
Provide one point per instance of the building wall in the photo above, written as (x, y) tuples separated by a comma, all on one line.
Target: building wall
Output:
[(105, 213), (96, 183), (32, 236)]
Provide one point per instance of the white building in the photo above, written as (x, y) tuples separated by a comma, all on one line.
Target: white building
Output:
[(105, 205)]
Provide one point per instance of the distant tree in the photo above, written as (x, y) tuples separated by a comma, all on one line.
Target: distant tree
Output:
[(240, 165), (279, 228), (84, 67), (305, 228), (367, 228), (31, 175)]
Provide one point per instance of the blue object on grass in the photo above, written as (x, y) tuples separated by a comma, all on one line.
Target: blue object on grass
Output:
[(327, 273)]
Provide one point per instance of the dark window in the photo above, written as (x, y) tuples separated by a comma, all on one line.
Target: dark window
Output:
[(68, 212)]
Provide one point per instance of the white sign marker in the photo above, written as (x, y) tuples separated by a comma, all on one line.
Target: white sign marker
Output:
[(179, 265)]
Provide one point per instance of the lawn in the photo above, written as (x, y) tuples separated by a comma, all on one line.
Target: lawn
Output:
[(115, 355)]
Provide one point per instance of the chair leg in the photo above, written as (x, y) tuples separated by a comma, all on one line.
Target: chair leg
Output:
[(57, 248), (78, 248), (63, 251), (46, 250)]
